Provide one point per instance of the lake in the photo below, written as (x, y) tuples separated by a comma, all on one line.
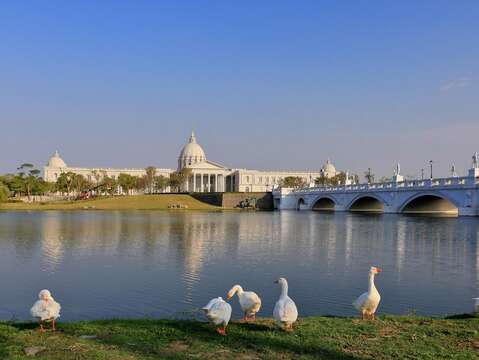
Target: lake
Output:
[(168, 264)]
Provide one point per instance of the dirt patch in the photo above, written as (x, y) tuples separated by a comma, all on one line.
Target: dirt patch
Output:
[(388, 331), (470, 344), (177, 347)]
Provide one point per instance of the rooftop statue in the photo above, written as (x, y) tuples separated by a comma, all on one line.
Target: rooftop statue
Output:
[(397, 171)]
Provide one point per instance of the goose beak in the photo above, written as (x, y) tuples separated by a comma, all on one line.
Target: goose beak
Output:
[(228, 297), (379, 270), (276, 281)]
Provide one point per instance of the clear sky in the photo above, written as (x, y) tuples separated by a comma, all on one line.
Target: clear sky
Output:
[(265, 84)]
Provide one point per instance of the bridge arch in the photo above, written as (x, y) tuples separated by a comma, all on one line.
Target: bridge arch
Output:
[(367, 203), (324, 203), (301, 202), (430, 203)]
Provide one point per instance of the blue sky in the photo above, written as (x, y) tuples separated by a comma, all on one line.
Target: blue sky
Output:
[(265, 84)]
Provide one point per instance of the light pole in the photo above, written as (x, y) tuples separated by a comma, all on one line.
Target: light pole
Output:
[(430, 164), (422, 174)]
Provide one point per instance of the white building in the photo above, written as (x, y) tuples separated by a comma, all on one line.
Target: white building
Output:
[(206, 175)]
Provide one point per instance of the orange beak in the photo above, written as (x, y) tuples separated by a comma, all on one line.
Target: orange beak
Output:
[(379, 270), (228, 297)]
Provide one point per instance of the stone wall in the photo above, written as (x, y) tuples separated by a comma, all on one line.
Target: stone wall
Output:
[(215, 199)]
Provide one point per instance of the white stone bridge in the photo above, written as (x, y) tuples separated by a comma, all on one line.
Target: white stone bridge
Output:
[(448, 196)]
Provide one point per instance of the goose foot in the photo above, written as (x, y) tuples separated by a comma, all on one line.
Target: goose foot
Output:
[(221, 331)]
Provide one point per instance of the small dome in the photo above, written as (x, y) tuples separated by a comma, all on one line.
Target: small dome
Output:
[(56, 161), (329, 169), (191, 154)]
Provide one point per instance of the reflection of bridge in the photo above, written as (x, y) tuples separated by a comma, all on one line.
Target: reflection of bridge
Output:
[(450, 196)]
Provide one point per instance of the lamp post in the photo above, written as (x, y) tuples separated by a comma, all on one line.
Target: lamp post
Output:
[(430, 164), (422, 174)]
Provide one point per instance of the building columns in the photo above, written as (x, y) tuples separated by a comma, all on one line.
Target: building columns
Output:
[(201, 183), (194, 182)]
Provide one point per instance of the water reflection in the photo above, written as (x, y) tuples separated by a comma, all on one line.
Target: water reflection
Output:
[(136, 264)]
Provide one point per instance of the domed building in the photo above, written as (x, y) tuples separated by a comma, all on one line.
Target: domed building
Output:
[(205, 175), (56, 161), (328, 170), (191, 154)]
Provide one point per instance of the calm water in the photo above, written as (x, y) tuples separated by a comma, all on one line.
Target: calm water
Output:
[(159, 264)]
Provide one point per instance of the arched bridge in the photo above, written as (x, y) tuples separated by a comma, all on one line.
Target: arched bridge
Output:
[(446, 196)]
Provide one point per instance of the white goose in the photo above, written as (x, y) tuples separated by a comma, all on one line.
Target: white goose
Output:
[(368, 302), (218, 312), (46, 309), (285, 311), (249, 301)]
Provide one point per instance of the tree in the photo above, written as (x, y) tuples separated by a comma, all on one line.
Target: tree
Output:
[(178, 178), (80, 184), (4, 192), (108, 185), (65, 182), (161, 183), (127, 182), (96, 176), (149, 178), (14, 183), (29, 180), (292, 182), (338, 179)]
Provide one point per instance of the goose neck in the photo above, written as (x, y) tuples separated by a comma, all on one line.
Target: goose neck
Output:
[(371, 286), (284, 289)]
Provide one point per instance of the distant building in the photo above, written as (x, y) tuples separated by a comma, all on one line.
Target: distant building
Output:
[(206, 175)]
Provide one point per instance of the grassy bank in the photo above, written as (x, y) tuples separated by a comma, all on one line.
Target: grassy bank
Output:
[(140, 202), (390, 337)]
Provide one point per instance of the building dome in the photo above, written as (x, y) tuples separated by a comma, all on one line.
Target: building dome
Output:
[(56, 161), (191, 154), (328, 169)]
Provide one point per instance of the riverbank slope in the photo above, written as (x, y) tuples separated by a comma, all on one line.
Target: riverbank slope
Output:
[(137, 202), (315, 338)]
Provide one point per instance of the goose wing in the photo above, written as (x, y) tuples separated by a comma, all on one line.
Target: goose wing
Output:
[(360, 301), (250, 301), (285, 310), (218, 311)]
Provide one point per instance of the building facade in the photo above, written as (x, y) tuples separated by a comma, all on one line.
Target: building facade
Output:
[(205, 175)]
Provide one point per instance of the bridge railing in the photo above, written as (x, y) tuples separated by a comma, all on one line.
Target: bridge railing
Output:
[(406, 184)]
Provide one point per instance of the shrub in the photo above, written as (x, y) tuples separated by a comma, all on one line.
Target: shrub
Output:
[(4, 193)]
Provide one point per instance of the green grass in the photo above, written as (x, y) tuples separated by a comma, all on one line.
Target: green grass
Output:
[(139, 202), (390, 337)]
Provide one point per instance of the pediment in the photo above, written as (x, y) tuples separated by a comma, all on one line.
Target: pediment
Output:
[(207, 165)]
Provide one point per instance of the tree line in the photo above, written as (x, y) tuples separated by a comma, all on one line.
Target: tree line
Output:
[(28, 182), (299, 182)]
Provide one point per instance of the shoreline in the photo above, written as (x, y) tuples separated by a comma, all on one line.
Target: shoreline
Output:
[(314, 337), (184, 202)]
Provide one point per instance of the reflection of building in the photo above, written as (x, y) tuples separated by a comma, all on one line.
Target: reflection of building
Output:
[(206, 175)]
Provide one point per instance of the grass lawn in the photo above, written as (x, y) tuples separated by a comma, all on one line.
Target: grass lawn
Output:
[(390, 337), (139, 202)]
